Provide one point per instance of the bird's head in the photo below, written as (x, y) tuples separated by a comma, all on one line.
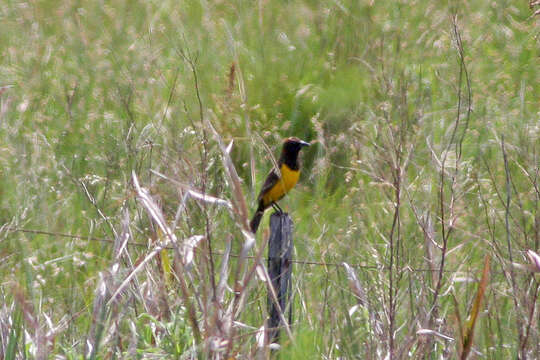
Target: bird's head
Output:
[(293, 145)]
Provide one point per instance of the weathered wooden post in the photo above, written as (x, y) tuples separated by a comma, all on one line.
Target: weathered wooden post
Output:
[(280, 247)]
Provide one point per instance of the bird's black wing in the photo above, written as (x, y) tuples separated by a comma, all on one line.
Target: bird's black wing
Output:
[(270, 181)]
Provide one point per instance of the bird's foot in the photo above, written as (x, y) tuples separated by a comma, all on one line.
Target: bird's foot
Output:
[(277, 208)]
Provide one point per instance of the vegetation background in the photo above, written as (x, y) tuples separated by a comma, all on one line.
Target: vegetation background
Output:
[(425, 124)]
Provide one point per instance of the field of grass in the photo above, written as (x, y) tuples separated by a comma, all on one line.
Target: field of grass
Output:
[(119, 120)]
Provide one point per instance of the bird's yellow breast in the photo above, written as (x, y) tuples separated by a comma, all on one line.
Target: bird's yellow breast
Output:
[(288, 179)]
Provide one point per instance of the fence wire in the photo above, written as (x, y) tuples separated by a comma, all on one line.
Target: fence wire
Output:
[(298, 262)]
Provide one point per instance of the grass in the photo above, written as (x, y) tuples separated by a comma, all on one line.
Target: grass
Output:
[(407, 179)]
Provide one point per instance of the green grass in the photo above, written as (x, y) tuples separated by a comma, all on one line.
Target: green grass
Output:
[(103, 90)]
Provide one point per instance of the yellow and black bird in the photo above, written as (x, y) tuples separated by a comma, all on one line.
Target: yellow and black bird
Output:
[(277, 185)]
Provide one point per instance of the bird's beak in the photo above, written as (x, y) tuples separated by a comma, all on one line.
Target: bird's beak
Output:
[(303, 143)]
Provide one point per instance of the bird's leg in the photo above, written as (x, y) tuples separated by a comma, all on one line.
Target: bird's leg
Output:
[(276, 207)]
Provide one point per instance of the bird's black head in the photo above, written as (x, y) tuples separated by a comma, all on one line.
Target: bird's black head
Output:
[(293, 145), (291, 148)]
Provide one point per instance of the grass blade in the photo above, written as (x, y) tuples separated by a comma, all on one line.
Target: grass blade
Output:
[(14, 336), (468, 331)]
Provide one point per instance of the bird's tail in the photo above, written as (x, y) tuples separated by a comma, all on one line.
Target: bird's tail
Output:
[(256, 220)]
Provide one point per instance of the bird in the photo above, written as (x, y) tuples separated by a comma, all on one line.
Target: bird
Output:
[(277, 184)]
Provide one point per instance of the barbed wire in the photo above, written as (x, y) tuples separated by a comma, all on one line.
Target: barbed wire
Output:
[(298, 262)]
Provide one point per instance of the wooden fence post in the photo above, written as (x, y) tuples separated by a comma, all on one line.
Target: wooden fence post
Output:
[(280, 247)]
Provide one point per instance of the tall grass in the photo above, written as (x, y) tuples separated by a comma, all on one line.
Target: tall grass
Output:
[(134, 136)]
